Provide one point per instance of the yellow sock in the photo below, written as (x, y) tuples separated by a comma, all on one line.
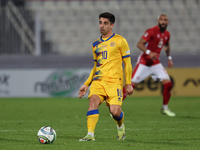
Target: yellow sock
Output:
[(120, 119), (92, 119)]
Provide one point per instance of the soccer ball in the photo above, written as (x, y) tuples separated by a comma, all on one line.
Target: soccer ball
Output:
[(46, 135)]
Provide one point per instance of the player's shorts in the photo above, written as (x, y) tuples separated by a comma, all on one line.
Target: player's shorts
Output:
[(107, 91), (141, 72)]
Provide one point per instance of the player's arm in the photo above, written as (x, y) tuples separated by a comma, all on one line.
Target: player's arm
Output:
[(83, 89), (126, 57), (128, 74), (92, 73), (141, 45), (167, 51)]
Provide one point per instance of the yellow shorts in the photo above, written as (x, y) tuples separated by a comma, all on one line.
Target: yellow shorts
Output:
[(107, 91)]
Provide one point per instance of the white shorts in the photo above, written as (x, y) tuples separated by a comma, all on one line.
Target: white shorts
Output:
[(156, 72)]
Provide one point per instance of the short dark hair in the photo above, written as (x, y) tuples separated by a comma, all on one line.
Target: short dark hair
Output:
[(109, 16)]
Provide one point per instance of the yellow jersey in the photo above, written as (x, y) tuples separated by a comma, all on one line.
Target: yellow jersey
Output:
[(109, 53)]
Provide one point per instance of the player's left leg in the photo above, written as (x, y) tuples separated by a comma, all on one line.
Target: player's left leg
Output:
[(114, 101), (118, 116), (96, 97)]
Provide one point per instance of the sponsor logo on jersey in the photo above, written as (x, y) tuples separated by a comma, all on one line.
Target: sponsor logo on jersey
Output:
[(104, 46), (158, 35)]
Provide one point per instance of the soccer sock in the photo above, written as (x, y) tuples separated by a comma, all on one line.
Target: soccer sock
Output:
[(165, 106), (119, 120), (92, 119), (167, 92), (124, 92), (120, 127)]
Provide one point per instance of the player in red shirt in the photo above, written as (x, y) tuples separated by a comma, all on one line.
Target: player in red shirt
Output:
[(148, 62)]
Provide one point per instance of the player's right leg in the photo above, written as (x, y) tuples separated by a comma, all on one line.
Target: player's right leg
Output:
[(161, 73), (96, 98), (167, 84), (92, 117)]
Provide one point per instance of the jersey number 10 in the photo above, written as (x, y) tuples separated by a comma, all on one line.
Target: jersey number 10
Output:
[(104, 54)]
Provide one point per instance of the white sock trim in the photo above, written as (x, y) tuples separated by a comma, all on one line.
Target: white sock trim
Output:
[(90, 133), (120, 127), (165, 106)]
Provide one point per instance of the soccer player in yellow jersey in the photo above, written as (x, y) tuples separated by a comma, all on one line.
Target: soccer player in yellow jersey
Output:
[(106, 77)]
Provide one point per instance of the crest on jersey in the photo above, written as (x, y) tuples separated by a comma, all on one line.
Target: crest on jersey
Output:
[(112, 44), (158, 35), (166, 38)]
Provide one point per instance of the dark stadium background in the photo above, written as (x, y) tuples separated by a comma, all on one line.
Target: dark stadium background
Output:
[(11, 44)]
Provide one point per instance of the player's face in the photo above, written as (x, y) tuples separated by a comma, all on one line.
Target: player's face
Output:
[(163, 22), (105, 26)]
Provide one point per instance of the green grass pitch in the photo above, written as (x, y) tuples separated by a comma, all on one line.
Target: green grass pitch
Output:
[(146, 128)]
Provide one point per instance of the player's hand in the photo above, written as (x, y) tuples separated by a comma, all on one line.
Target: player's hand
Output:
[(129, 89), (170, 63), (153, 55), (82, 91)]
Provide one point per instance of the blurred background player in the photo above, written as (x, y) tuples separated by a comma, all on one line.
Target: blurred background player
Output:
[(148, 62), (106, 77)]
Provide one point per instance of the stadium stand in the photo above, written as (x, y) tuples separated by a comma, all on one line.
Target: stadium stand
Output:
[(69, 27), (73, 25), (16, 23)]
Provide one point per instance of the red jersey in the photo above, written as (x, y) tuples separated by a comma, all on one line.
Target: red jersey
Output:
[(155, 41)]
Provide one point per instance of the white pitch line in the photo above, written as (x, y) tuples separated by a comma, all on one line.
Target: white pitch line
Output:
[(98, 121), (127, 129)]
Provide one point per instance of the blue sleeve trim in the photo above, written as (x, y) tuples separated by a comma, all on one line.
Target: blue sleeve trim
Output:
[(126, 56), (95, 60), (93, 112)]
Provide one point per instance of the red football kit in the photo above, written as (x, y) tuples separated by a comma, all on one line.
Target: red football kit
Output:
[(155, 41), (147, 67)]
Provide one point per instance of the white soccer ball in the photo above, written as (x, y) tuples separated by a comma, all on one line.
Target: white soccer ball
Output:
[(46, 135)]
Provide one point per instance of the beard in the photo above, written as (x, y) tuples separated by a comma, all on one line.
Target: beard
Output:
[(162, 29)]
